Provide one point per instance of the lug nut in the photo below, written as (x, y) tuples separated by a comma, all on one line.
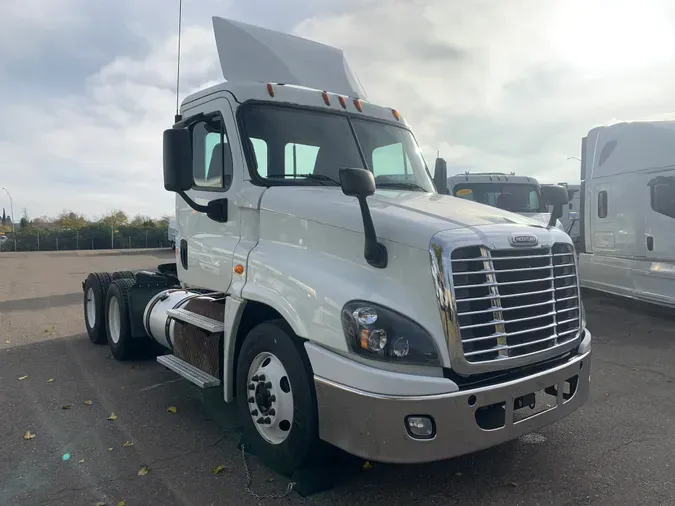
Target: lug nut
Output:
[(261, 377), (254, 412), (260, 420), (254, 378), (251, 386), (271, 412), (268, 385), (268, 420), (273, 398), (251, 400)]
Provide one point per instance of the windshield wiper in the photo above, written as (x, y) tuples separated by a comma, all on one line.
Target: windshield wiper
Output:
[(402, 185), (315, 177)]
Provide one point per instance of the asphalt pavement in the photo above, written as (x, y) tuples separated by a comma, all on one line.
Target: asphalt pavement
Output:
[(619, 449)]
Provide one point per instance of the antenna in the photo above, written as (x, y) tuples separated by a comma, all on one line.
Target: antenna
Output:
[(177, 117)]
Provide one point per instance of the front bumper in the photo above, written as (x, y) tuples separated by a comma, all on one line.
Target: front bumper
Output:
[(372, 426)]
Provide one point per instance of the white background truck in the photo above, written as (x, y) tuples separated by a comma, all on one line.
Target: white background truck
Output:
[(326, 286)]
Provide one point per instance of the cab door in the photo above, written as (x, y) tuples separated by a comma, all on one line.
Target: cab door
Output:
[(205, 248)]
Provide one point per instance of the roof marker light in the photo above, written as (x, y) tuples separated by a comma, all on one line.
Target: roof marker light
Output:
[(270, 90), (396, 114), (358, 105), (343, 102), (326, 98)]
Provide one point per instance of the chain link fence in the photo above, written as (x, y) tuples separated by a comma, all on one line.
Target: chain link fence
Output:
[(85, 239)]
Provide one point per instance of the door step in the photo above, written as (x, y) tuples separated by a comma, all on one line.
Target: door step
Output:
[(188, 371), (202, 322)]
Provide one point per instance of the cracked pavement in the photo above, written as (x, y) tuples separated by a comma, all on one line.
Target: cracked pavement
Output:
[(619, 449)]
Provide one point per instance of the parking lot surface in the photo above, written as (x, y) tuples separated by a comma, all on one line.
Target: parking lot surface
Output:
[(619, 449)]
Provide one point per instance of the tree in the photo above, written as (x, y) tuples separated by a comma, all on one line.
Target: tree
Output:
[(141, 221), (163, 222), (115, 219), (68, 220)]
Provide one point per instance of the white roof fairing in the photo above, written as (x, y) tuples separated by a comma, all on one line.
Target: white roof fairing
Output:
[(250, 53)]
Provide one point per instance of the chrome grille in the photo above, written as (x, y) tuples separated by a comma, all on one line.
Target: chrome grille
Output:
[(514, 302)]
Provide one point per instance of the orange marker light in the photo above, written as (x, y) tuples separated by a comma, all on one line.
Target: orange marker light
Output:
[(270, 90), (326, 98), (239, 269), (358, 105), (396, 114), (343, 102)]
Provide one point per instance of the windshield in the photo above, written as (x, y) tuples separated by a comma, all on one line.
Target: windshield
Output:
[(514, 197), (298, 146)]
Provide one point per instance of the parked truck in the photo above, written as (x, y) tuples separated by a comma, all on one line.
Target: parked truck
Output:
[(327, 285), (628, 210), (517, 194)]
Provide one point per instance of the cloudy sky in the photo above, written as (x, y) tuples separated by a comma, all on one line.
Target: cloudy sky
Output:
[(88, 86)]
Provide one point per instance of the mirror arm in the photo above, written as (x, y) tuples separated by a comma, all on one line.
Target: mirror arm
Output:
[(375, 252), (556, 213), (197, 207)]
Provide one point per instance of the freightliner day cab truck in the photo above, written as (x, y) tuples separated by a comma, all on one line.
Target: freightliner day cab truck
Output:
[(518, 194), (327, 287), (628, 210)]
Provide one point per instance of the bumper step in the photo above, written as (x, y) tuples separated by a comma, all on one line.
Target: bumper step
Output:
[(202, 322), (188, 371)]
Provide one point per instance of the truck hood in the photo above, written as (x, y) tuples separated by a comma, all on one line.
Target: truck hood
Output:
[(543, 218), (406, 217)]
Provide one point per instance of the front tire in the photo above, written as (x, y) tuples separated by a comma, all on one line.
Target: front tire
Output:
[(278, 410)]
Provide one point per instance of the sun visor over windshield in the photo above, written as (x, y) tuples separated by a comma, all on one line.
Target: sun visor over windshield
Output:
[(250, 53)]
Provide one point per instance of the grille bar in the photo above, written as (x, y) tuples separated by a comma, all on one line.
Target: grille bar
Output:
[(514, 302)]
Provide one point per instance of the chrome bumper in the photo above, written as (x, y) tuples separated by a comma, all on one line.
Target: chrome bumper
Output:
[(372, 426)]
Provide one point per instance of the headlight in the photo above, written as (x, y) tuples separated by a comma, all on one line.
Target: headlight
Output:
[(379, 333)]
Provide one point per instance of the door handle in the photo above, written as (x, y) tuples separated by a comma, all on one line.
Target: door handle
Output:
[(650, 242)]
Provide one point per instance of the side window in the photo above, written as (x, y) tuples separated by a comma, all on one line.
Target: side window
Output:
[(391, 161), (260, 152), (662, 195), (602, 204), (211, 155), (300, 158)]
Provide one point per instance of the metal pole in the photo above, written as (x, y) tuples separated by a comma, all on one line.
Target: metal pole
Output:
[(146, 238), (77, 239), (112, 236), (11, 210), (38, 233)]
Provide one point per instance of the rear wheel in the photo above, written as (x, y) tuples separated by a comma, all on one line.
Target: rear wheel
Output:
[(117, 322), (276, 397), (95, 290)]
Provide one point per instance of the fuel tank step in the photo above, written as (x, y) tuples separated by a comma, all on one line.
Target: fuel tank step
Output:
[(189, 372), (202, 322)]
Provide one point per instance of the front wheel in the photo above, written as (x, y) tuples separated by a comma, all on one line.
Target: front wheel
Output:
[(276, 397)]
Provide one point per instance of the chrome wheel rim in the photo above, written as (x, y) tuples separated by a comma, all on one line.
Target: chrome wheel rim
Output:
[(91, 308), (114, 321), (270, 398)]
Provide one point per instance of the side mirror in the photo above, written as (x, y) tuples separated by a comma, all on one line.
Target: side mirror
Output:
[(556, 196), (357, 182), (360, 183), (574, 215), (441, 176), (177, 160)]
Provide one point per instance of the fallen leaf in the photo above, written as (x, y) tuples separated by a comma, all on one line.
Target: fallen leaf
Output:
[(50, 380), (22, 378), (171, 409), (270, 480), (122, 503), (28, 435), (513, 484), (127, 444), (66, 406), (218, 469), (458, 473), (7, 341), (81, 461), (143, 471), (100, 503), (110, 449), (112, 416), (88, 403), (122, 388), (366, 466)]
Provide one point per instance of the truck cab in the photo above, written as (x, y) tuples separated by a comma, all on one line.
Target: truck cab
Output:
[(628, 210), (329, 289), (517, 194)]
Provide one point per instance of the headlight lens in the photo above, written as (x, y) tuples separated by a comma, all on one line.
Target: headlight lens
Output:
[(379, 333)]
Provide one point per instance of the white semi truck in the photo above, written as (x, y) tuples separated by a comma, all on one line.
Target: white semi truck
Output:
[(327, 287)]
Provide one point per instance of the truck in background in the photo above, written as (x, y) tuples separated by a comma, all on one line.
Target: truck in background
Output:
[(327, 287), (571, 216), (628, 210), (171, 233), (517, 194)]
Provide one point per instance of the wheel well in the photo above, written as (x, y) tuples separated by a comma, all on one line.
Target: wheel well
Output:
[(254, 313)]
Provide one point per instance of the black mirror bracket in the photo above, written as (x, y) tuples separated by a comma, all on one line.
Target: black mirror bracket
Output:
[(215, 209), (375, 252)]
